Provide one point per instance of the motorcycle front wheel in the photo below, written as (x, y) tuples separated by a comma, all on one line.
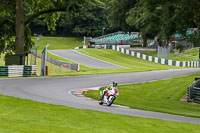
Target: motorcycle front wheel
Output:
[(110, 101)]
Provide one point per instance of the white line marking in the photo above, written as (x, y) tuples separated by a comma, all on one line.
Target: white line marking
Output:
[(62, 57), (100, 59)]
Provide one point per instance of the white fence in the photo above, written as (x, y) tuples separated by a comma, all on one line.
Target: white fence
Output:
[(156, 59)]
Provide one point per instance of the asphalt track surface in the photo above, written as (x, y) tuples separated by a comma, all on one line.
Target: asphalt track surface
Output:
[(84, 59), (55, 90)]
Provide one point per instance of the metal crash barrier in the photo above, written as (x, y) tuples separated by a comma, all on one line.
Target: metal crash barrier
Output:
[(194, 91), (18, 71)]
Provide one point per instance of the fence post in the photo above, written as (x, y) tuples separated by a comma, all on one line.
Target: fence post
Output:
[(44, 61), (78, 67)]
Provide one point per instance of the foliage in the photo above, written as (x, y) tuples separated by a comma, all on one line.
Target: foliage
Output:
[(117, 13), (179, 46), (165, 17), (88, 22), (49, 10), (6, 28), (88, 17), (194, 37), (27, 39), (147, 16)]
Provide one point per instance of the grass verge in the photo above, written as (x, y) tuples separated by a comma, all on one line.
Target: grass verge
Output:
[(82, 67), (192, 52), (58, 42), (159, 96), (18, 115), (134, 64), (2, 61), (53, 69)]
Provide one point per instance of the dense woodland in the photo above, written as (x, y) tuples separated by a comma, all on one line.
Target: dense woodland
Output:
[(23, 18)]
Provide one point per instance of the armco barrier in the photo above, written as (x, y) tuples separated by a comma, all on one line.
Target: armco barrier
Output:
[(194, 91), (196, 94), (3, 71), (61, 63), (30, 71), (18, 71), (156, 59), (105, 46)]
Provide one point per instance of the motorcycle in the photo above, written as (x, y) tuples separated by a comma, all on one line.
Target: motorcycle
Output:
[(109, 97)]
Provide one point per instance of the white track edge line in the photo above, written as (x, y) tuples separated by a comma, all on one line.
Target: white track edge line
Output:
[(101, 60)]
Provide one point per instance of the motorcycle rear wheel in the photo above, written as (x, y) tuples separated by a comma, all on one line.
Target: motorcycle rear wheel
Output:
[(100, 102)]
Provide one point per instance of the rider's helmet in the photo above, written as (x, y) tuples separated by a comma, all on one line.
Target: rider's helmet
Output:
[(115, 84)]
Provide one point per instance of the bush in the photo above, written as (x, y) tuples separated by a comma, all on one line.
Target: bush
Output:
[(179, 46)]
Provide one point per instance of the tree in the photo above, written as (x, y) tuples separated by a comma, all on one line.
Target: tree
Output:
[(117, 13), (17, 14), (165, 17), (88, 22), (19, 26), (145, 16), (91, 20)]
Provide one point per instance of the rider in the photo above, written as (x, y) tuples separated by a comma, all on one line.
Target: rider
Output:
[(109, 87)]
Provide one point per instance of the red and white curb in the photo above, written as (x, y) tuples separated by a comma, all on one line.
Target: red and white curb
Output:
[(79, 93)]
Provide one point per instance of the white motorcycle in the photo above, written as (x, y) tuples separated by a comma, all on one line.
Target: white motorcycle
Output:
[(108, 98)]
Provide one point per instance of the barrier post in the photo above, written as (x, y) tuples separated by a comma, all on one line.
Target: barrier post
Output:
[(44, 61), (47, 70)]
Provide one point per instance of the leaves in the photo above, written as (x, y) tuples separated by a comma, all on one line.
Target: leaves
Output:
[(117, 13), (89, 21), (164, 17), (48, 10)]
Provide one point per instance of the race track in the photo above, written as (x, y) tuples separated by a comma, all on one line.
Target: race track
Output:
[(84, 59), (55, 90)]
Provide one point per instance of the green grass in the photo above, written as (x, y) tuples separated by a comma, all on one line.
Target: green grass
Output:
[(58, 42), (53, 69), (82, 67), (2, 62), (159, 96), (22, 116), (134, 64), (191, 52)]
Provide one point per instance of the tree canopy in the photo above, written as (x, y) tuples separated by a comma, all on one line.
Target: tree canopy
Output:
[(164, 18), (117, 13), (88, 17), (17, 14)]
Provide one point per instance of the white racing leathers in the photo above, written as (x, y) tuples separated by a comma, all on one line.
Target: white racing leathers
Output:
[(108, 96)]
